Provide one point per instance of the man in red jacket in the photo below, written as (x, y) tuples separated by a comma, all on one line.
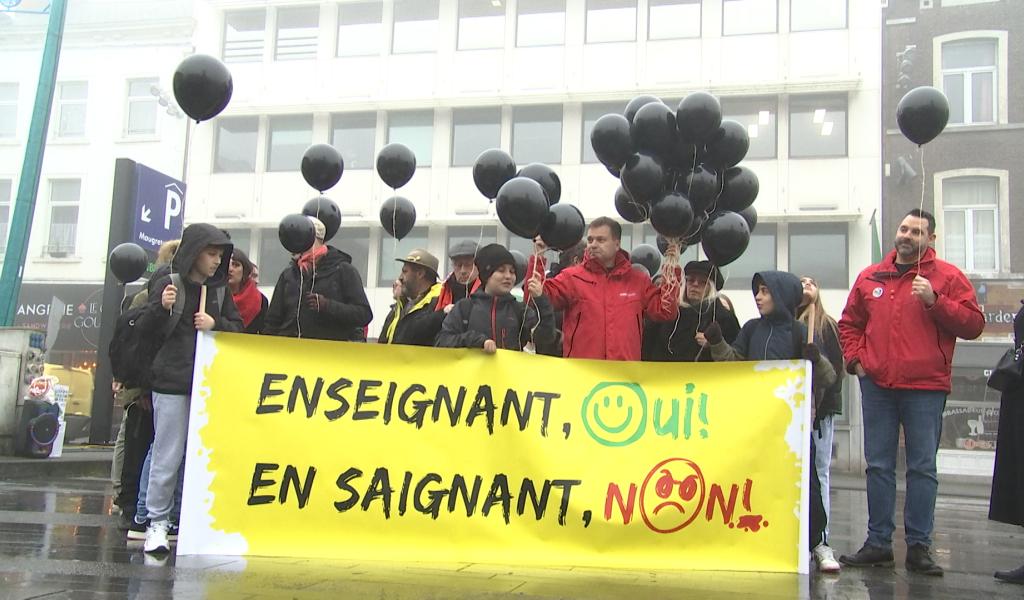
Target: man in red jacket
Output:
[(898, 331), (605, 299)]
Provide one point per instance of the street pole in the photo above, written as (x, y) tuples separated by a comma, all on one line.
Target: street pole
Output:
[(28, 184)]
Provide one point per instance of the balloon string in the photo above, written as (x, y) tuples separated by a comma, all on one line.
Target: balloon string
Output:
[(394, 219), (920, 251), (298, 307), (124, 297)]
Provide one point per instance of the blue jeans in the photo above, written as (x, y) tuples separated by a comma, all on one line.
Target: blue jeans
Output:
[(920, 414), (823, 461), (140, 509)]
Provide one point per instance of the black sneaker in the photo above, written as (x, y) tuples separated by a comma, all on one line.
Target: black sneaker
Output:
[(1014, 576), (172, 533), (137, 531), (919, 560), (869, 556)]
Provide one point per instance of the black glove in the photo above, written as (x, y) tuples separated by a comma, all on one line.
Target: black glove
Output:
[(317, 302), (713, 333), (812, 353)]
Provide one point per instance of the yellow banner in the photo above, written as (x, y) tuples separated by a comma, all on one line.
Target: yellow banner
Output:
[(342, 450)]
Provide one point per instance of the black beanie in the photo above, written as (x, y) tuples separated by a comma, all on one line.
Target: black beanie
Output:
[(489, 258)]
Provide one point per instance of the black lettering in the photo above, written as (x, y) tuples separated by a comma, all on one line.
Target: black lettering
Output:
[(499, 494), (434, 508), (258, 482), (445, 396), (343, 485), (380, 487), (403, 414), (484, 404), (266, 392), (546, 398), (529, 491), (459, 484), (522, 414), (403, 499), (291, 476), (362, 397), (334, 393), (566, 485), (392, 388), (309, 400)]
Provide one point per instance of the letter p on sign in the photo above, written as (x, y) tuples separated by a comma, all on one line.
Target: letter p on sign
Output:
[(173, 208)]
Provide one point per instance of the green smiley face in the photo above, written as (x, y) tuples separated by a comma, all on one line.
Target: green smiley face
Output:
[(615, 414)]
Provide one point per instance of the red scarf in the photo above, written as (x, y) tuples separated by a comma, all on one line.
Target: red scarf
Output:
[(249, 301), (309, 258)]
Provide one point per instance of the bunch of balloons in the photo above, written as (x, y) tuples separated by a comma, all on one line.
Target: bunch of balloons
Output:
[(321, 166), (396, 164)]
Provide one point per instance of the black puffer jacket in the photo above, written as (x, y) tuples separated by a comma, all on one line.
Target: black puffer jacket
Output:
[(674, 341), (483, 317), (174, 362), (345, 313)]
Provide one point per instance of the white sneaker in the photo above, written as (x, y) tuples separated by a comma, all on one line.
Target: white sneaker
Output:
[(823, 555), (156, 537)]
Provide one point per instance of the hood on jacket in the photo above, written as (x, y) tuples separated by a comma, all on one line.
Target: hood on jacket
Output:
[(196, 237), (786, 293), (329, 262)]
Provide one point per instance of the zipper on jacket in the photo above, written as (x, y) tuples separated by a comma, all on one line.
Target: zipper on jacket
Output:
[(494, 321)]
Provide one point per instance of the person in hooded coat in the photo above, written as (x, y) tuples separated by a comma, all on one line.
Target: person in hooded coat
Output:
[(251, 303)]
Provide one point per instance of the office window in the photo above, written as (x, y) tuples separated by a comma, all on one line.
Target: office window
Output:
[(758, 115), (297, 30), (71, 103), (970, 211), (760, 255), (274, 259), (360, 28), (355, 241), (540, 23), (389, 269), (354, 135), (141, 109), (817, 126), (235, 150), (820, 250), (416, 26), (672, 19), (812, 15), (288, 138), (481, 24), (591, 113), (64, 198), (415, 129), (611, 21), (244, 32), (5, 212), (8, 109), (969, 80), (481, 235), (743, 17), (473, 131), (537, 134)]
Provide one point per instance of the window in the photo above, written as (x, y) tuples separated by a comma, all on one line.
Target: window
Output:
[(8, 109), (142, 107), (819, 250), (274, 258), (970, 208), (297, 30), (416, 26), (415, 130), (241, 239), (5, 213), (390, 248), (64, 195), (540, 23), (813, 15), (817, 126), (481, 24), (672, 19), (537, 134), (355, 241), (591, 113), (742, 17), (360, 28), (481, 235), (235, 150), (611, 21), (244, 31), (651, 238), (473, 131), (288, 138), (758, 116), (71, 100), (355, 135), (969, 80), (760, 255)]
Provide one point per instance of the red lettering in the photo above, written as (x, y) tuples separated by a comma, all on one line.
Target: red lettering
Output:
[(625, 508)]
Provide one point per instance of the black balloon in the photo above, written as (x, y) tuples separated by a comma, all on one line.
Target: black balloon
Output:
[(397, 216), (128, 262), (629, 209), (749, 215), (546, 177), (696, 230), (702, 188), (739, 189), (637, 103), (612, 171), (202, 86), (725, 238), (698, 117), (643, 177), (662, 243), (322, 166), (522, 206), (327, 211), (682, 156), (641, 269), (672, 215), (653, 129), (492, 169), (611, 140), (563, 227), (520, 259), (646, 255), (922, 114), (728, 146), (396, 164), (296, 233)]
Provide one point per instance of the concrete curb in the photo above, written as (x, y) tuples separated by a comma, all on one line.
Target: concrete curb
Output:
[(74, 463)]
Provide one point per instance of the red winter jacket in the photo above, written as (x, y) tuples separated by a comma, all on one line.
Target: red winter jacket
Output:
[(901, 343), (604, 309)]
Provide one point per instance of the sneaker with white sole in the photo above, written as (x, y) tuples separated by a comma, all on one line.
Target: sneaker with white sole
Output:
[(826, 559), (137, 531), (156, 537), (172, 532)]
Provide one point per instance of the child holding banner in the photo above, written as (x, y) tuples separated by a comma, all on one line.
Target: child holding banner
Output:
[(778, 335), (491, 318)]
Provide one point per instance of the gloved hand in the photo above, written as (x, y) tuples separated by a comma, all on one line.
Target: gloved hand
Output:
[(713, 333), (812, 353), (317, 302)]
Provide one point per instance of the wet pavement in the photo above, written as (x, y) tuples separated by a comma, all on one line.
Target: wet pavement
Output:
[(58, 539)]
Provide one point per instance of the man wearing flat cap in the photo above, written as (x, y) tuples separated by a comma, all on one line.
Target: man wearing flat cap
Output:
[(418, 322), (700, 303), (463, 281)]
